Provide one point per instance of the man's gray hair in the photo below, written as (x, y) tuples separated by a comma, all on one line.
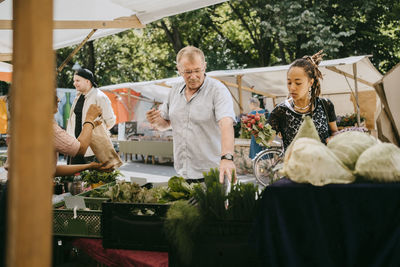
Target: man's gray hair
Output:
[(189, 52)]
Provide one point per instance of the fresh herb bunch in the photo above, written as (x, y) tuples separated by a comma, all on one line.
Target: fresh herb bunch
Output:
[(257, 125), (243, 201), (95, 177), (186, 222), (181, 227), (211, 198)]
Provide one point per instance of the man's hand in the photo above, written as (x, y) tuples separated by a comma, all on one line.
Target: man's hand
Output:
[(156, 121), (93, 112), (225, 168), (153, 115)]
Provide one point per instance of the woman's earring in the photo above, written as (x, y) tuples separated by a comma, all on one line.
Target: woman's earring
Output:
[(309, 93)]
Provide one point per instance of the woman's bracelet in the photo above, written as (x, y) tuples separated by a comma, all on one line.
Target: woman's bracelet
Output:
[(89, 123)]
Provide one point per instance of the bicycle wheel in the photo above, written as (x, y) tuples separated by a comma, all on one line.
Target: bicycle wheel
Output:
[(267, 164)]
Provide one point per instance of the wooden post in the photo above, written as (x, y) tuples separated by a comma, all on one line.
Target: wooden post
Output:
[(31, 150), (129, 105), (356, 93), (239, 82)]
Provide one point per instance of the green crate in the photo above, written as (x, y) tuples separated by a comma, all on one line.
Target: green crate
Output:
[(86, 224)]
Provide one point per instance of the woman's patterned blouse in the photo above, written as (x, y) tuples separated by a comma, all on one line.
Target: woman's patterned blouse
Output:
[(285, 120)]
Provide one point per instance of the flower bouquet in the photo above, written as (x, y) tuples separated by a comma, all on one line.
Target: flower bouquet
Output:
[(257, 125)]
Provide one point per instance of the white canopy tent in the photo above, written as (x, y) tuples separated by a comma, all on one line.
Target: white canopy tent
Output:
[(74, 19), (338, 83), (388, 121)]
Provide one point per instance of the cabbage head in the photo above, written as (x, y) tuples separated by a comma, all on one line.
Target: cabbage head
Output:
[(306, 129), (380, 162), (312, 162), (348, 146)]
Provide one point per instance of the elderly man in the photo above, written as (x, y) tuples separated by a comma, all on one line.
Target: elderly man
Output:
[(87, 94), (200, 112)]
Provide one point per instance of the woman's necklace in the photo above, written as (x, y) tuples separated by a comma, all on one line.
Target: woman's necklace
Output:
[(301, 108)]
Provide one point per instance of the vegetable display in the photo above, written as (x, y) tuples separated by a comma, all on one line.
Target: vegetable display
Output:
[(380, 162), (98, 177), (127, 192), (348, 156), (348, 146), (186, 221), (312, 162)]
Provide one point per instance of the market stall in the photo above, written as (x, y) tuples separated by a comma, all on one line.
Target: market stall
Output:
[(27, 32)]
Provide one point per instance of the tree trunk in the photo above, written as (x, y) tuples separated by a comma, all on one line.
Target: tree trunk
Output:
[(91, 56)]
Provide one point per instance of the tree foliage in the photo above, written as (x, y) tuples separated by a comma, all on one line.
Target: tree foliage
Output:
[(246, 33)]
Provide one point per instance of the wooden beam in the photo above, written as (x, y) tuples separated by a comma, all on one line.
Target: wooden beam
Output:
[(119, 23), (32, 157), (164, 84), (5, 57), (334, 69), (245, 88), (239, 82)]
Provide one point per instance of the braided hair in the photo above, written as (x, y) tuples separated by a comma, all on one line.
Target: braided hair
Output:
[(310, 67)]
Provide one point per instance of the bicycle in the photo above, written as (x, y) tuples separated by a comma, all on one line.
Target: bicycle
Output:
[(267, 163)]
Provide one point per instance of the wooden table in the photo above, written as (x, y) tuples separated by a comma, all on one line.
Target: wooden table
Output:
[(147, 148)]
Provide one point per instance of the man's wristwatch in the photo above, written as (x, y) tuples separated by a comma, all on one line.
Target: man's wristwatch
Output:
[(227, 156)]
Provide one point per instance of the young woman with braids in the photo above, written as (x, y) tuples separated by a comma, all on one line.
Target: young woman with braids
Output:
[(304, 90)]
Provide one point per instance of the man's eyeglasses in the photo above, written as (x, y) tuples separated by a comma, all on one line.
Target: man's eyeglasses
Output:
[(189, 72)]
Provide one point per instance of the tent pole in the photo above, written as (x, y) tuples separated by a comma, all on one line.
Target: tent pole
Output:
[(239, 82), (129, 104), (356, 93), (32, 158), (70, 56)]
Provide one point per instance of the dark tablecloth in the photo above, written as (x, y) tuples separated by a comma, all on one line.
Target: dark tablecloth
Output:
[(334, 225)]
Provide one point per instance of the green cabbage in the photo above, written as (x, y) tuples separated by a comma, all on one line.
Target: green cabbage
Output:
[(348, 146), (306, 129), (380, 162), (312, 162)]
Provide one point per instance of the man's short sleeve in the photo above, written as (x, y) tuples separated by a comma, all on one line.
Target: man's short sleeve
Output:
[(223, 103), (165, 111), (164, 108)]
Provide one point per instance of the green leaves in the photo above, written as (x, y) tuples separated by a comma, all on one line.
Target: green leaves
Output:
[(95, 177), (242, 34)]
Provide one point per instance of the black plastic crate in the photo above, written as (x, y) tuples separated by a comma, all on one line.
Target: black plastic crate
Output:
[(122, 228), (222, 243)]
